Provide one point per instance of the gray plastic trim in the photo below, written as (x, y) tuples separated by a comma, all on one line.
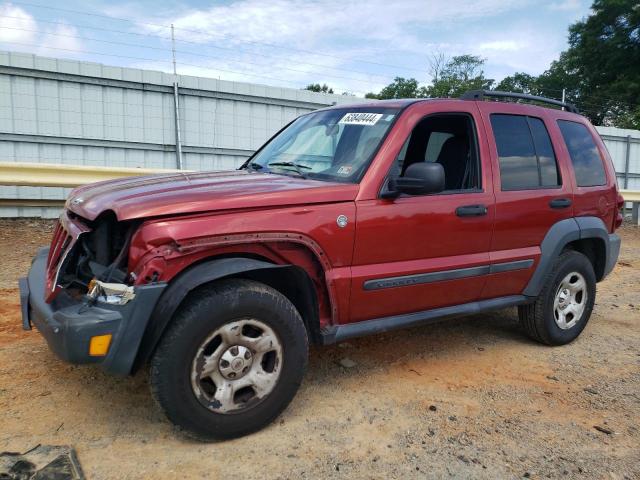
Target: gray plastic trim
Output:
[(444, 275), (557, 237), (340, 333), (509, 266), (420, 278), (564, 232)]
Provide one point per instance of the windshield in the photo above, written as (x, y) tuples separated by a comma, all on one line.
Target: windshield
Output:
[(332, 145)]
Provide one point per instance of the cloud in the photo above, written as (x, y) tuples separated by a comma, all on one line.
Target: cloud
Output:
[(534, 50), (16, 25), (501, 46), (60, 37), (299, 22), (23, 33), (357, 46), (303, 41), (566, 5)]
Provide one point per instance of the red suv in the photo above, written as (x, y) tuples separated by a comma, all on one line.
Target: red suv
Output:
[(349, 221)]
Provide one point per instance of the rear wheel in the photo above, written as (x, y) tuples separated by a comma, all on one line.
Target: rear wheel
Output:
[(231, 361), (564, 305)]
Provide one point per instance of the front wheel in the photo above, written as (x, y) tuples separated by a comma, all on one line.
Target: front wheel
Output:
[(231, 361), (564, 305)]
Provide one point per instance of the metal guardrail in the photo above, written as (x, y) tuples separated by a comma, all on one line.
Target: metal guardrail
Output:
[(60, 175), (31, 202), (55, 175), (630, 195), (633, 196)]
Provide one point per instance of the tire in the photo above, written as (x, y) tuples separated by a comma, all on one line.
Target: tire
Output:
[(545, 320), (213, 318)]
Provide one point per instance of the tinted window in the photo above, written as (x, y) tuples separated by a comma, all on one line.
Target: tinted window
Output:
[(516, 153), (525, 153), (544, 150), (584, 154)]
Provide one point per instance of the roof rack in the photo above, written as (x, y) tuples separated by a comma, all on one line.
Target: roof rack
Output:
[(482, 94)]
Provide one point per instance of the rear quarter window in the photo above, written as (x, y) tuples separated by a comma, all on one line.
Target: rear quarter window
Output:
[(585, 157)]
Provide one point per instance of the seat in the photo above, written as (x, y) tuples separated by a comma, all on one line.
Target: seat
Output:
[(453, 157)]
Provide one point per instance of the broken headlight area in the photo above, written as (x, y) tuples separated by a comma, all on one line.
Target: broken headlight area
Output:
[(99, 257), (111, 293)]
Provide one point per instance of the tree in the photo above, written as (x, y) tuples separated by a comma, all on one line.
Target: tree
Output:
[(601, 68), (519, 82), (316, 87), (451, 78), (399, 88)]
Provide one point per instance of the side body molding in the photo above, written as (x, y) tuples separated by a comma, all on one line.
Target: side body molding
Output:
[(564, 232), (184, 283)]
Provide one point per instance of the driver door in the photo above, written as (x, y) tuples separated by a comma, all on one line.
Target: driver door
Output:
[(420, 252)]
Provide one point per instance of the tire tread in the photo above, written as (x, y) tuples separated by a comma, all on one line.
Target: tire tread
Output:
[(532, 316), (161, 387)]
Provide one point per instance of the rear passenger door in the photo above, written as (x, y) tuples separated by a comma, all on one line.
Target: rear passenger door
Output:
[(532, 191)]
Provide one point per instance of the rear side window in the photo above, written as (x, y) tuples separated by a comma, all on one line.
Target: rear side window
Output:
[(584, 154), (525, 153)]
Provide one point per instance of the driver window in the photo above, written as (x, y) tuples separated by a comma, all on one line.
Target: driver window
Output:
[(450, 141)]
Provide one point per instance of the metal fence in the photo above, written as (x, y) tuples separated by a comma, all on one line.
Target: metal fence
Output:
[(624, 148), (70, 112), (62, 111)]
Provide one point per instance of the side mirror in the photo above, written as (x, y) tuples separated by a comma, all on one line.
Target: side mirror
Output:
[(420, 178)]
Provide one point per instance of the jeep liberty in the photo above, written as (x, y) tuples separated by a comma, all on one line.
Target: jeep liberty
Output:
[(350, 221)]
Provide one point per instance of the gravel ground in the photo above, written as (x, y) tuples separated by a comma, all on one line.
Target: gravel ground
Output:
[(469, 398)]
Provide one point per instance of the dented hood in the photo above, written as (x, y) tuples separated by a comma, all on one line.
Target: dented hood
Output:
[(182, 193)]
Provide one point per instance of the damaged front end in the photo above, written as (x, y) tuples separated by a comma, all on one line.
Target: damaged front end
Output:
[(80, 297), (86, 255)]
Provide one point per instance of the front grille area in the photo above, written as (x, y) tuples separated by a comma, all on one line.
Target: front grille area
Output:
[(59, 243), (65, 236)]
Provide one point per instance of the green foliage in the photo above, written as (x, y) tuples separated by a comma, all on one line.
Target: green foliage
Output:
[(456, 76), (451, 78), (601, 69), (316, 87), (519, 82), (602, 64), (399, 88)]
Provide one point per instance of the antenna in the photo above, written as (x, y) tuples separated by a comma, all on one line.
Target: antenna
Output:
[(176, 101)]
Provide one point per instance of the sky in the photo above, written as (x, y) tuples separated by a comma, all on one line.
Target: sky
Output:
[(354, 46)]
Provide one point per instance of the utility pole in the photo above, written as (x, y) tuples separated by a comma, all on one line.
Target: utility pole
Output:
[(564, 92), (176, 102)]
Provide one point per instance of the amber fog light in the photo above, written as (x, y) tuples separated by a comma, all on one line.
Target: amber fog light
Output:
[(99, 345)]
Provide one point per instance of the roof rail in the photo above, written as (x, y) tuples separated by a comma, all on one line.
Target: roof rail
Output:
[(482, 94)]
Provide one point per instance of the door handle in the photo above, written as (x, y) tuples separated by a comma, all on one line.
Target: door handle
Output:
[(560, 203), (471, 211)]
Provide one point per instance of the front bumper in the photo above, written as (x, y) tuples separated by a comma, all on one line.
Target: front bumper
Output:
[(69, 324)]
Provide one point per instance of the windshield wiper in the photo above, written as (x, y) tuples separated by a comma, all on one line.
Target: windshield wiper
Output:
[(297, 166), (254, 166)]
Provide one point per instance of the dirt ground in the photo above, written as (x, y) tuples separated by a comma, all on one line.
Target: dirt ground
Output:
[(469, 398)]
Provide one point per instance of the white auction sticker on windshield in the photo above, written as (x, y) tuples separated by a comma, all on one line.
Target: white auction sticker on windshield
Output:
[(360, 118)]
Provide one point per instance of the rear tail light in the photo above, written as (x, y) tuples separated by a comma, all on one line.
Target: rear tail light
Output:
[(618, 218)]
